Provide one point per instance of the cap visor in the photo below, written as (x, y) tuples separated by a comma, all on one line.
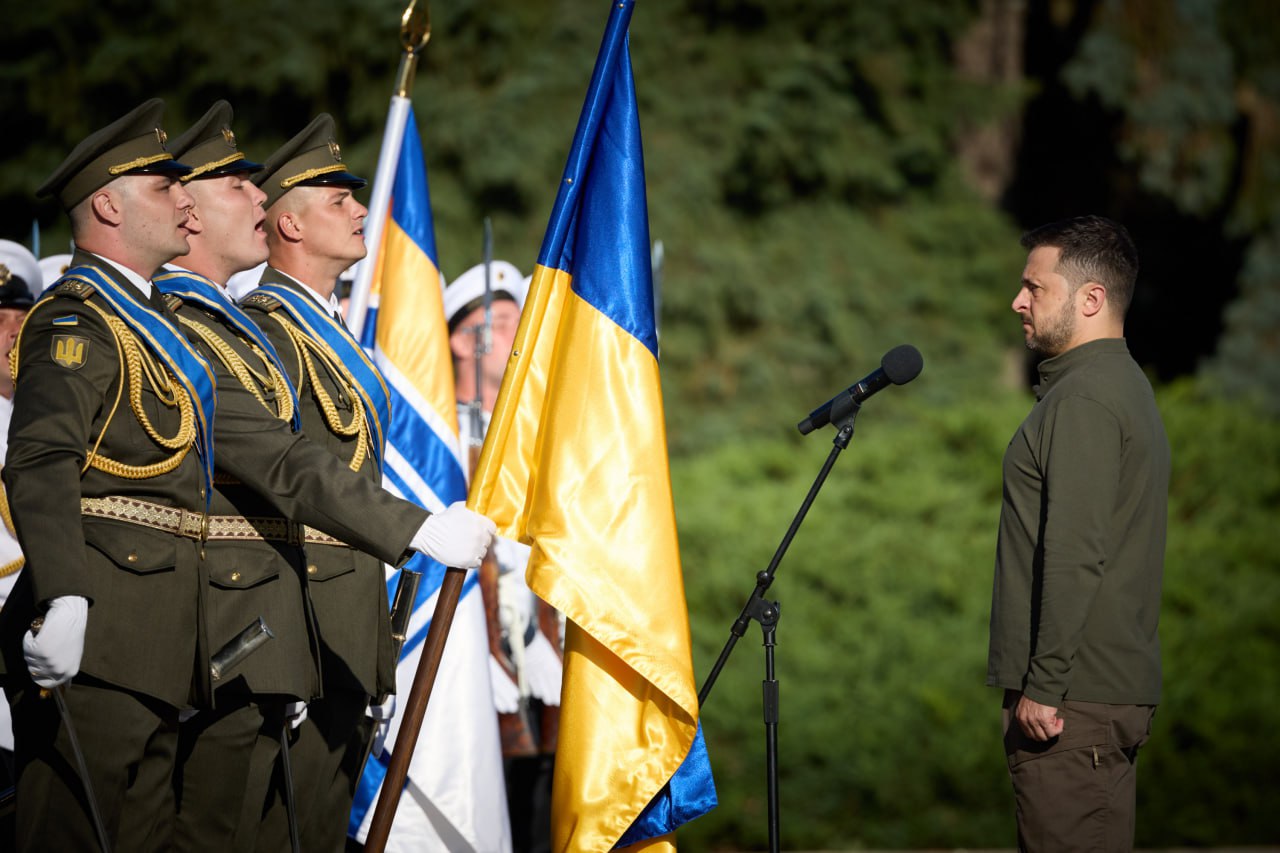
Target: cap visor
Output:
[(162, 167), (239, 167), (342, 179)]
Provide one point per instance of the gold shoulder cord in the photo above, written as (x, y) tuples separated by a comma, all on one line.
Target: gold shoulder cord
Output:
[(254, 381), (138, 361), (307, 349), (5, 516)]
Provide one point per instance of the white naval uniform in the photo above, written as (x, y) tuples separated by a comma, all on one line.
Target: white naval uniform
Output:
[(10, 561), (539, 671)]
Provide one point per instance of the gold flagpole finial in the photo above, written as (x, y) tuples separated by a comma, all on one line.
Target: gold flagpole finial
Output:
[(415, 32)]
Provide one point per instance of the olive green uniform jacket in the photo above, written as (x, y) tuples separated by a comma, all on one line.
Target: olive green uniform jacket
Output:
[(144, 586), (265, 470), (348, 588)]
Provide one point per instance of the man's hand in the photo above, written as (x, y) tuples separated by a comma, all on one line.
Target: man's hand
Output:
[(1038, 722), (53, 651), (456, 537)]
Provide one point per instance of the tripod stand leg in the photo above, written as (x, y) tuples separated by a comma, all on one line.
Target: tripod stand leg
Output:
[(766, 613)]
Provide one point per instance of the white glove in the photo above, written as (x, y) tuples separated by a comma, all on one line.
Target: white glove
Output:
[(53, 653), (295, 713), (457, 537), (543, 669), (383, 713), (506, 693)]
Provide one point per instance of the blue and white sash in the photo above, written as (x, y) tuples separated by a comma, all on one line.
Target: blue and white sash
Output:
[(195, 288), (167, 344), (368, 381)]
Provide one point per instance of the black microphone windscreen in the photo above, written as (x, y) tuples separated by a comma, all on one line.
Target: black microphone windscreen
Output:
[(902, 364)]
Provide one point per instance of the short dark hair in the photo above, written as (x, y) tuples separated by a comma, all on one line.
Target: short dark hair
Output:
[(1093, 248)]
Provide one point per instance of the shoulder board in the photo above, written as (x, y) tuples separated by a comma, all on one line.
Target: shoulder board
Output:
[(173, 301), (75, 288), (262, 301)]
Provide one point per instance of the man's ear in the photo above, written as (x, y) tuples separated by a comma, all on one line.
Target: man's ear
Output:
[(105, 206), (289, 226), (1093, 298)]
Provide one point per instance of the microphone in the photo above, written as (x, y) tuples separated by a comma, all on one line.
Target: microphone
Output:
[(898, 367)]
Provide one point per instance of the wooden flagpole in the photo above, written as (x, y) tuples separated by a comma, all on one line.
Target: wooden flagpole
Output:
[(415, 30)]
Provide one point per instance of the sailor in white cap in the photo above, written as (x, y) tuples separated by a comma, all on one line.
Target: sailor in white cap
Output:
[(20, 283), (525, 661), (475, 346)]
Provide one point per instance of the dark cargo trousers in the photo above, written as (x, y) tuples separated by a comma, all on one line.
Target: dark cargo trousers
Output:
[(1078, 791)]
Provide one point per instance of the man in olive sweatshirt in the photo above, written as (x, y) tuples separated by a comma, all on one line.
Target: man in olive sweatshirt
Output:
[(1080, 555)]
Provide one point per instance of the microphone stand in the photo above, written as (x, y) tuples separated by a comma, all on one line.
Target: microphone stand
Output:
[(767, 612)]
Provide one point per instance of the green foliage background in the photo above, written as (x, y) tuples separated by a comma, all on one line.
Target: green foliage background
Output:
[(809, 177)]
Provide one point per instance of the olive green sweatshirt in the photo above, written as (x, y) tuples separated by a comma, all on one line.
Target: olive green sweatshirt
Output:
[(1080, 555)]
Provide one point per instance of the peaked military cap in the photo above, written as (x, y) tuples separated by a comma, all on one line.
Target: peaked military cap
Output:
[(20, 277), (312, 158), (131, 145), (209, 147)]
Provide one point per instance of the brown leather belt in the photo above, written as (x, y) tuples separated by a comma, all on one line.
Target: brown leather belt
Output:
[(202, 527)]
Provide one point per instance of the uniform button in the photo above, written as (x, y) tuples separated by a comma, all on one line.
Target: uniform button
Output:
[(311, 569), (133, 557), (235, 576)]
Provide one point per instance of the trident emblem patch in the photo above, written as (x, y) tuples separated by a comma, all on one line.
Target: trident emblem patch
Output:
[(69, 351)]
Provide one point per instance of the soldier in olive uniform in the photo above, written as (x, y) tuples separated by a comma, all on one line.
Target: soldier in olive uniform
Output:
[(107, 476), (263, 468), (314, 232)]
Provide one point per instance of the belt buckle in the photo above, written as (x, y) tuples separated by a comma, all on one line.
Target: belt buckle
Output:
[(193, 525)]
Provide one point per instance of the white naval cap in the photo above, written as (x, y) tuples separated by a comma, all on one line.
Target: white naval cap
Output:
[(53, 266), (466, 292), (20, 278)]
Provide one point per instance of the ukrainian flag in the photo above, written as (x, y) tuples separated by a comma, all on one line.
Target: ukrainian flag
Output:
[(575, 464), (455, 797)]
